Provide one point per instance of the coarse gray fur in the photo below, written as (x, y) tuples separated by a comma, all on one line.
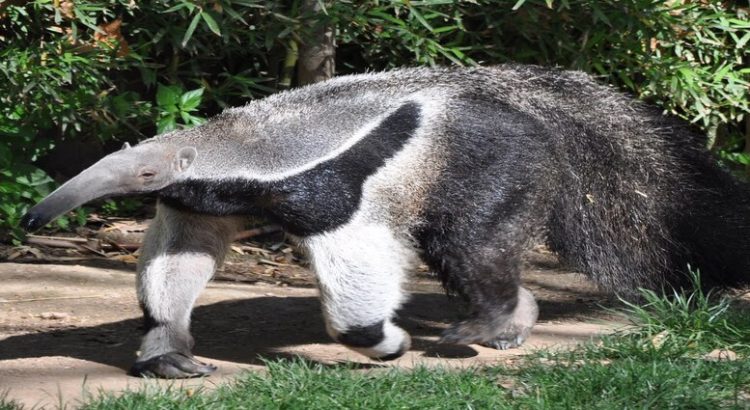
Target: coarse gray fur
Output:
[(462, 168)]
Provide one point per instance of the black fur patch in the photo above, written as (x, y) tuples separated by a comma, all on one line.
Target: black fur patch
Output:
[(149, 322), (363, 336), (479, 208), (314, 201)]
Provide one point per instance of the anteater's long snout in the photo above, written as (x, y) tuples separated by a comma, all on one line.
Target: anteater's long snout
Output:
[(147, 167), (95, 182)]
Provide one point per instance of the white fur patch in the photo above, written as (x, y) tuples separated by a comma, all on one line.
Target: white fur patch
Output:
[(427, 100), (395, 194), (360, 269), (172, 282), (180, 254), (260, 175)]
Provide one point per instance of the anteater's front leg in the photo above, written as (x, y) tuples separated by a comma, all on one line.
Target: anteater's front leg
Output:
[(360, 269), (180, 254)]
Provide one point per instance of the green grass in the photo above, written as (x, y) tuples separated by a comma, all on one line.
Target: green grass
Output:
[(689, 323), (658, 363), (539, 384), (568, 381), (302, 385), (6, 403), (633, 384)]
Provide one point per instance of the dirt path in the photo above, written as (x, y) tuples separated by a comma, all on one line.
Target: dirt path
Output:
[(68, 330)]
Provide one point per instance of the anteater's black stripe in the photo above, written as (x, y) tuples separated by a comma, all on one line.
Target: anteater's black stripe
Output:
[(313, 201), (363, 336), (149, 322)]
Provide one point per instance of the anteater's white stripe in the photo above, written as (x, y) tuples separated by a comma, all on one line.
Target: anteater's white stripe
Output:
[(422, 99)]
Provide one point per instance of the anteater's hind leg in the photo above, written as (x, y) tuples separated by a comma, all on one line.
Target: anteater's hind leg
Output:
[(480, 261), (360, 269), (180, 254)]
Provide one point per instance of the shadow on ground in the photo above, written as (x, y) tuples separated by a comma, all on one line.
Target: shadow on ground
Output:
[(247, 331)]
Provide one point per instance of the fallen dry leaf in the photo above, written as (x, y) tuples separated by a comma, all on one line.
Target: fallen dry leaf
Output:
[(658, 340), (110, 36), (717, 355)]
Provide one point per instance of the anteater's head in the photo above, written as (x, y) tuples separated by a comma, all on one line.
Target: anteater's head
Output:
[(147, 167)]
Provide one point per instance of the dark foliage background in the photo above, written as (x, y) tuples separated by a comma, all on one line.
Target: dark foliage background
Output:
[(78, 78)]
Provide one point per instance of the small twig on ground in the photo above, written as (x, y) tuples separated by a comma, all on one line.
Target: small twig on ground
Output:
[(90, 249), (57, 238), (125, 247), (272, 263), (249, 233), (254, 249), (79, 243), (55, 242)]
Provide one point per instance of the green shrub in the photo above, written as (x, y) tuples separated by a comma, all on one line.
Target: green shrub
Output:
[(94, 70), (692, 58), (176, 104), (97, 71), (55, 86)]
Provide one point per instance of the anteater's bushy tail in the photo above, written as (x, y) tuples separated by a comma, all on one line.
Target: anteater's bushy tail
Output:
[(640, 198), (713, 231)]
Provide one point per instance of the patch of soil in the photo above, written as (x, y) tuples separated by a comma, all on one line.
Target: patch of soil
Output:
[(66, 329)]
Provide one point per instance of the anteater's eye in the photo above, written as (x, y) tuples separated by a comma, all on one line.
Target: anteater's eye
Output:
[(147, 174)]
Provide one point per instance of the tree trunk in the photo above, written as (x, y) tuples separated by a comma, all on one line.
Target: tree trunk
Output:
[(318, 50)]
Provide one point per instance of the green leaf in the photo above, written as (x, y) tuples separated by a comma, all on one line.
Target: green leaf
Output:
[(197, 120), (387, 17), (420, 18), (166, 124), (211, 23), (742, 41), (191, 29), (234, 15), (249, 3), (178, 7), (185, 117), (167, 95), (191, 99), (599, 15), (738, 157), (81, 214), (518, 4), (446, 29), (30, 175), (63, 222)]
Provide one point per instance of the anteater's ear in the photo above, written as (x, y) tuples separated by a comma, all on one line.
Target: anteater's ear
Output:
[(185, 157)]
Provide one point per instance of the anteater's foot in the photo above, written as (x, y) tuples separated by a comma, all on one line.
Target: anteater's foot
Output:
[(506, 342), (502, 331), (172, 365), (480, 332)]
